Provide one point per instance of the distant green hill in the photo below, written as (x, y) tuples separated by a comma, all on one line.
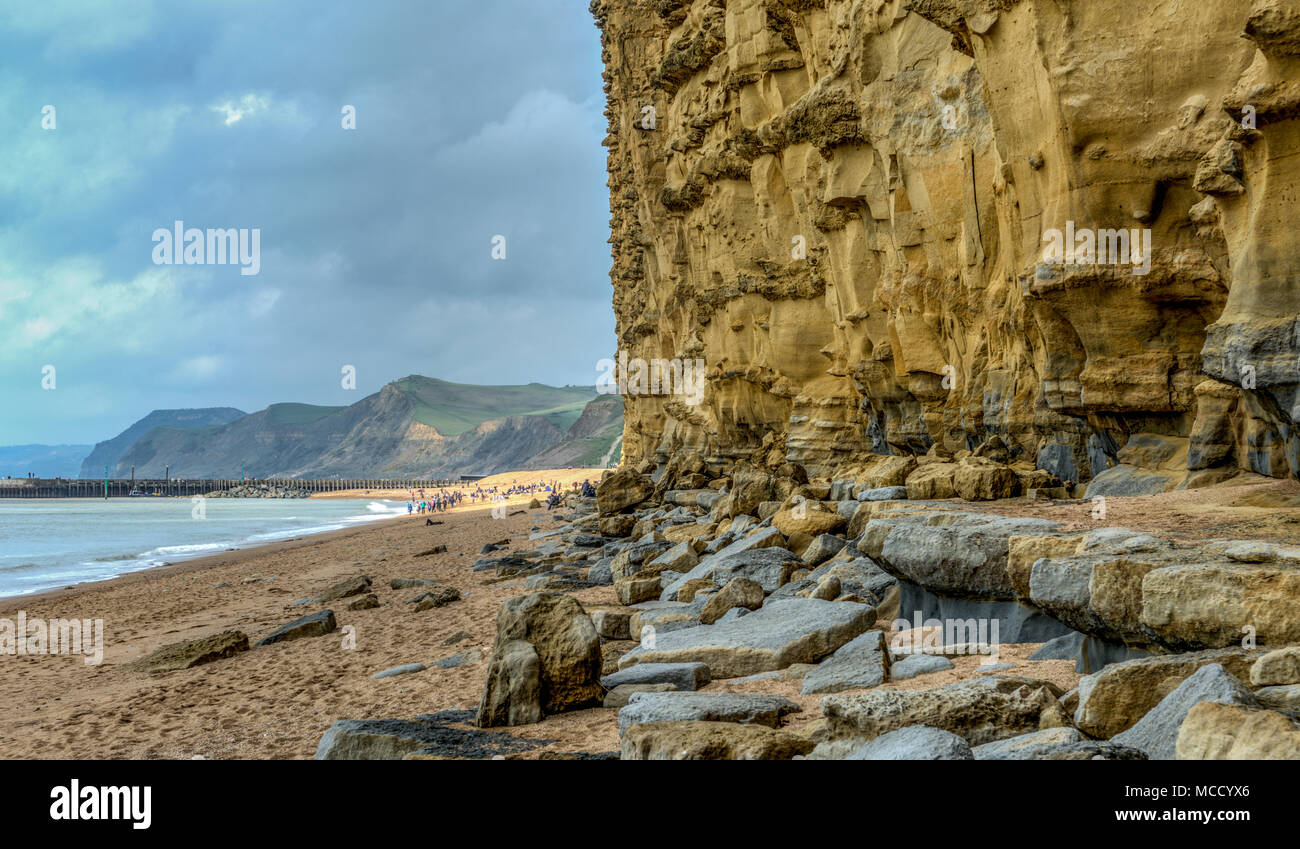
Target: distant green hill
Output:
[(454, 408), (110, 451), (479, 430)]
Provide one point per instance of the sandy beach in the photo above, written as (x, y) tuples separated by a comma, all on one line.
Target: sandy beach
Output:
[(272, 702), (277, 701)]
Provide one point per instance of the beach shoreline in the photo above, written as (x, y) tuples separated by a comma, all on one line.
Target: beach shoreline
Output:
[(275, 701), (245, 550)]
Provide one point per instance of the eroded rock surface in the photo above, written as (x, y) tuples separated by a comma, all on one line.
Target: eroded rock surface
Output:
[(840, 207)]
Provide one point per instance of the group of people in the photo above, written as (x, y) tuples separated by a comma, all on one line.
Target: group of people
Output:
[(587, 490), (439, 502)]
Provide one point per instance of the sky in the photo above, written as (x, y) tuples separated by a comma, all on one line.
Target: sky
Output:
[(473, 119)]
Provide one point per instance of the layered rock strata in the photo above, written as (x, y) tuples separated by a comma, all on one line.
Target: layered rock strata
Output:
[(842, 208)]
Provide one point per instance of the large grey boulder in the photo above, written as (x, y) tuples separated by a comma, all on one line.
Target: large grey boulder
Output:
[(1047, 737), (686, 676), (565, 654), (960, 554), (914, 743), (980, 711), (857, 576), (1117, 697), (821, 549), (709, 741), (882, 493), (770, 567), (757, 708), (858, 664), (316, 625), (782, 632), (1085, 750), (513, 695), (918, 664), (1156, 733), (425, 736)]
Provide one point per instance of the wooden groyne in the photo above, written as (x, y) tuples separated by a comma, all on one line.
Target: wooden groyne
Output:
[(182, 488)]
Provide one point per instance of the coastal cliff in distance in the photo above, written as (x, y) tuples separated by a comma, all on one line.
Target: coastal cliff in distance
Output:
[(109, 452), (842, 206), (416, 427)]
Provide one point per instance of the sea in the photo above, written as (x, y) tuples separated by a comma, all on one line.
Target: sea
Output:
[(50, 543)]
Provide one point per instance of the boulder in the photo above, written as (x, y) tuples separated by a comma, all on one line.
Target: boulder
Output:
[(981, 711), (637, 588), (858, 664), (982, 479), (460, 658), (918, 664), (1085, 750), (1234, 732), (568, 658), (1281, 666), (809, 517), (1280, 698), (191, 653), (827, 589), (821, 549), (932, 481), (316, 625), (680, 558), (612, 624), (1156, 733), (857, 576), (425, 737), (513, 693), (686, 592), (616, 526), (437, 598), (914, 743), (622, 489), (1127, 480), (366, 602), (619, 696), (738, 592), (756, 708), (951, 553), (1112, 700), (780, 633), (769, 566), (1047, 737), (404, 669), (710, 741), (358, 585), (633, 560), (686, 677), (888, 471), (883, 493)]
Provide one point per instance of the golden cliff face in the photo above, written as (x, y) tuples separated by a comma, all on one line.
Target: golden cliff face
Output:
[(843, 207)]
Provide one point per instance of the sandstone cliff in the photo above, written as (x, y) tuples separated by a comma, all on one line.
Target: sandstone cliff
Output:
[(841, 205)]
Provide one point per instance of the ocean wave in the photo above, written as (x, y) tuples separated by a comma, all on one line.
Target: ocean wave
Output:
[(185, 549)]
